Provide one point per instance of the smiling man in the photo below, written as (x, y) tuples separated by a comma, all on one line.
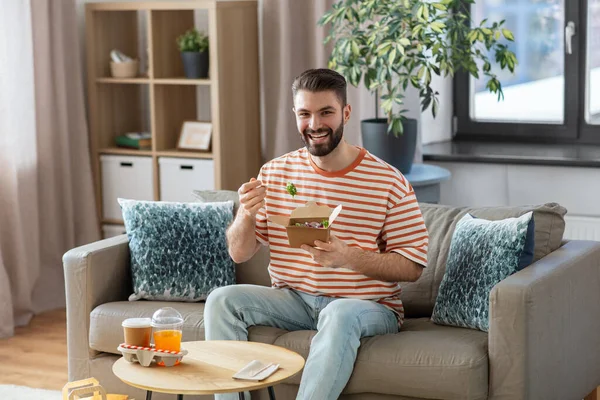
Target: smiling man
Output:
[(345, 289)]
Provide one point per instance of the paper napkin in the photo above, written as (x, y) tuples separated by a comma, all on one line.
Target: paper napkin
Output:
[(256, 371)]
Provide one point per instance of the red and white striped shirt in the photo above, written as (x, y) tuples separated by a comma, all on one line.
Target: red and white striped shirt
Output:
[(379, 213)]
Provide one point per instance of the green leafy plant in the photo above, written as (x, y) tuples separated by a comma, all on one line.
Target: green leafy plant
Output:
[(193, 41), (390, 44)]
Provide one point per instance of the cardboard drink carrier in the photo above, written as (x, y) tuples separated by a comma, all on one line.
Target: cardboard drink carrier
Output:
[(310, 212)]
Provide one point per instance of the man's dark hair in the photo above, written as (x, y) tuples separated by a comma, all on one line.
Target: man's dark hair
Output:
[(321, 80)]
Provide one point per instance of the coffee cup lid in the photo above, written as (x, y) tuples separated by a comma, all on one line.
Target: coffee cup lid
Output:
[(137, 323)]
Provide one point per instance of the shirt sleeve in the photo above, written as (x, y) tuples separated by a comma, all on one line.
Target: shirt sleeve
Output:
[(262, 229), (404, 230)]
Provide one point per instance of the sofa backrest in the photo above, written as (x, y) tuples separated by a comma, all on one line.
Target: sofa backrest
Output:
[(419, 297), (255, 271)]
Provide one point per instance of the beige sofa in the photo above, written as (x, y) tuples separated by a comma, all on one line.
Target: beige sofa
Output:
[(543, 343)]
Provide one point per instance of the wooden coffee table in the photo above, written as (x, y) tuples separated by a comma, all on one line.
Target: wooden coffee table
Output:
[(208, 369)]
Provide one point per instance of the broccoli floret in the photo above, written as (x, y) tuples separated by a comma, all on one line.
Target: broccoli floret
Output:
[(291, 189)]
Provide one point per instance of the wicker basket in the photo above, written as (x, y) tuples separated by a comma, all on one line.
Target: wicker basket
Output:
[(124, 69)]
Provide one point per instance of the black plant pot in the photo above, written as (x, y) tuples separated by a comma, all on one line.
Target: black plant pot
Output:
[(396, 151), (195, 65)]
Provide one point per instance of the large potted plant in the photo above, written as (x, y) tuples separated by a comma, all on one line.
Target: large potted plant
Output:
[(390, 44), (193, 46)]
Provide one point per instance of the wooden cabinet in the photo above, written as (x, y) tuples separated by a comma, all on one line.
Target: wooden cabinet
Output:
[(160, 99)]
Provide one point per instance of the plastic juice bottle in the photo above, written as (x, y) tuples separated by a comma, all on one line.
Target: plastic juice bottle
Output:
[(167, 324)]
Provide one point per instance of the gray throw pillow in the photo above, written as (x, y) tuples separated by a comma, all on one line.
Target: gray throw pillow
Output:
[(482, 253), (215, 196), (178, 250)]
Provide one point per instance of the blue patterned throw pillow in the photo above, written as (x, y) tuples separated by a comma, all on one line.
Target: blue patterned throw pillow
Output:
[(178, 250), (482, 253)]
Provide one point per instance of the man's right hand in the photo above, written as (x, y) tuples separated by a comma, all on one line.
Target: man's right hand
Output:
[(252, 197)]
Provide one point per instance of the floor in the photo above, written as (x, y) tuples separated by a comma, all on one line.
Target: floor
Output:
[(37, 355)]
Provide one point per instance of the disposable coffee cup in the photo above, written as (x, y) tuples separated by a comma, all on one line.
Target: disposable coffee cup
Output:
[(137, 331)]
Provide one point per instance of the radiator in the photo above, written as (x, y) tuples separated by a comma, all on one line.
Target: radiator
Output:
[(582, 228)]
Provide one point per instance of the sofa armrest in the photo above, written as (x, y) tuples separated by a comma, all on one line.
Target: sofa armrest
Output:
[(544, 337), (95, 274)]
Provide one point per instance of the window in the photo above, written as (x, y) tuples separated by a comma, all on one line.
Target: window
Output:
[(554, 94)]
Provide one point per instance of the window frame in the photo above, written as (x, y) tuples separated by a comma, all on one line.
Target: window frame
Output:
[(588, 133), (574, 128)]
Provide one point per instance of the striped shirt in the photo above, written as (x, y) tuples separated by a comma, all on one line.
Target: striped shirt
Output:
[(379, 213)]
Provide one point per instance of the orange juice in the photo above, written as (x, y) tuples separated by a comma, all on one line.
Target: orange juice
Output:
[(168, 340), (167, 324)]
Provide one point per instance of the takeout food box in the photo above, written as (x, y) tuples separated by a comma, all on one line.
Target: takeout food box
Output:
[(311, 212)]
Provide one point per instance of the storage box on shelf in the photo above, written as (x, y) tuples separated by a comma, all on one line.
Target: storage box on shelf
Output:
[(180, 176), (128, 177), (160, 99)]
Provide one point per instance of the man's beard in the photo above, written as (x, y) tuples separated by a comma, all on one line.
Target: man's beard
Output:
[(322, 149)]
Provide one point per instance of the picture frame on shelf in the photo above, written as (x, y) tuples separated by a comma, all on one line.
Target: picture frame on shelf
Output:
[(195, 136)]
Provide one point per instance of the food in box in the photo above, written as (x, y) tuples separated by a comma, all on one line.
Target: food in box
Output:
[(299, 232)]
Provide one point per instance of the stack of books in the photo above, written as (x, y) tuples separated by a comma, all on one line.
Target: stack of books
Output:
[(135, 140)]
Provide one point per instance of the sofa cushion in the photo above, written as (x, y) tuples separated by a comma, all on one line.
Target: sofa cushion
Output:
[(482, 254), (178, 250), (419, 297), (423, 360), (106, 332)]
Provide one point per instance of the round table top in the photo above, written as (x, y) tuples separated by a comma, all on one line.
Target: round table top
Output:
[(425, 174), (208, 368)]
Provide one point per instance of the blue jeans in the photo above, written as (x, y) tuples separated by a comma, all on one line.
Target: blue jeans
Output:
[(340, 324)]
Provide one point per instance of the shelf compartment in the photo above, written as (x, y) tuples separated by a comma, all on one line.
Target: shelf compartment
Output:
[(117, 30), (167, 25), (173, 104), (121, 109)]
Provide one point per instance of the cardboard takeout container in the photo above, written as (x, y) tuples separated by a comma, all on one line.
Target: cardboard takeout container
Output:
[(311, 212)]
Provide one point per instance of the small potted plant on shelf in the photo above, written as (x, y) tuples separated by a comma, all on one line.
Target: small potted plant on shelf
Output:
[(193, 46), (390, 44)]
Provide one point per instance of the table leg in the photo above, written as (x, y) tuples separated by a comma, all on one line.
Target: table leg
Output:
[(179, 397), (271, 393), (241, 395), (149, 395)]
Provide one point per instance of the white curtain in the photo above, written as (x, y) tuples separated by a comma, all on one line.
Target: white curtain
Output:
[(291, 43), (18, 189), (46, 193)]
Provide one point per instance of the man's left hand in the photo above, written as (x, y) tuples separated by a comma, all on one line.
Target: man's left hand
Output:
[(335, 254)]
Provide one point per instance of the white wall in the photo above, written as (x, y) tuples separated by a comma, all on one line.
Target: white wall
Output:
[(440, 128), (575, 188)]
